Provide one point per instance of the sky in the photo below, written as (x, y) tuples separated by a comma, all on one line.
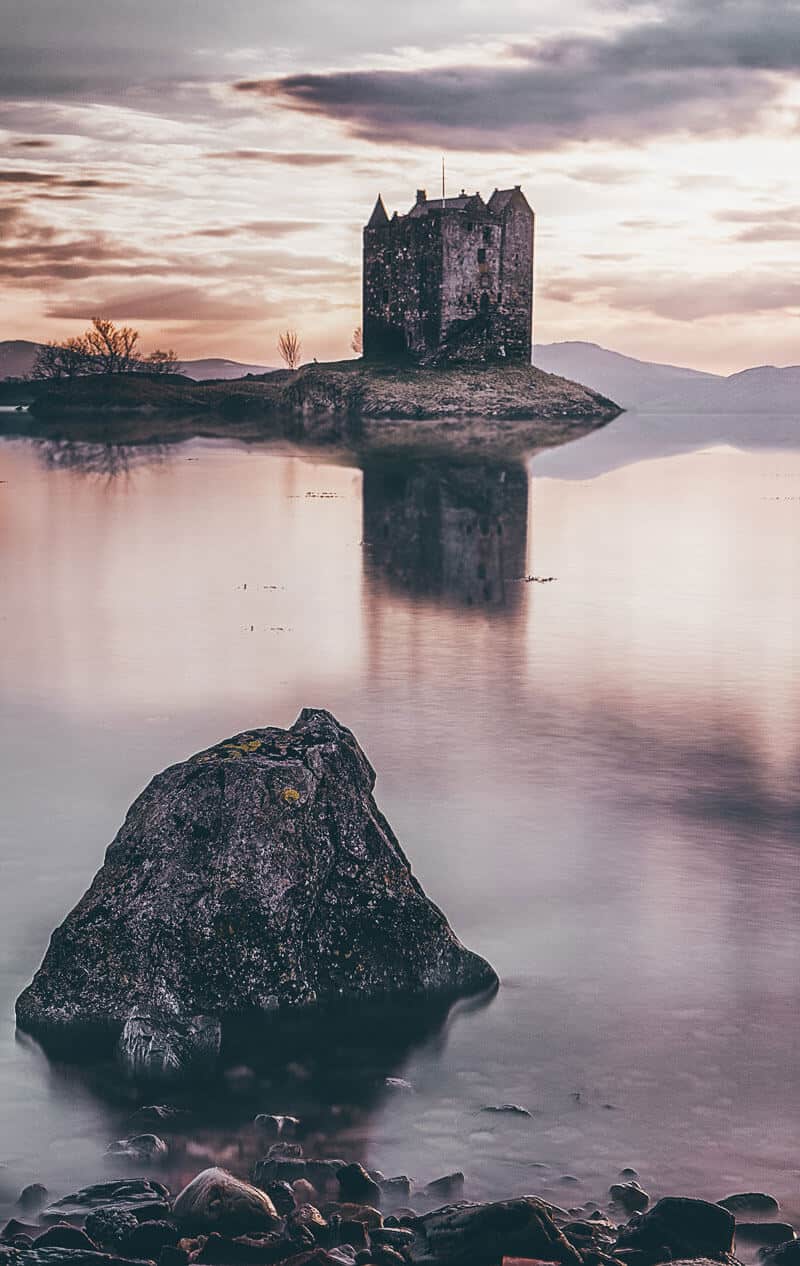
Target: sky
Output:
[(203, 170)]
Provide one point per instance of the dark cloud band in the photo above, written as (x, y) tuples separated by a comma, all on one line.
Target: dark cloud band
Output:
[(705, 70)]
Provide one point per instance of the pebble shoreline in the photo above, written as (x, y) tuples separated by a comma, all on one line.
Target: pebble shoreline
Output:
[(303, 1211)]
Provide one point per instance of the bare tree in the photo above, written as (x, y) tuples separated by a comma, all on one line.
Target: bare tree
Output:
[(161, 362), (61, 360), (112, 347), (290, 347), (105, 348), (357, 341)]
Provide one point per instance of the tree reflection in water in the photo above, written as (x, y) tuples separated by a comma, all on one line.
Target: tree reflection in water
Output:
[(101, 460)]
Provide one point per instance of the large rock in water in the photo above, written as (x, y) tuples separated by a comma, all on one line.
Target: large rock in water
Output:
[(258, 876)]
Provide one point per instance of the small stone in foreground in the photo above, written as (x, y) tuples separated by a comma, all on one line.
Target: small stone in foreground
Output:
[(110, 1227), (150, 1238), (765, 1234), (64, 1235), (750, 1202), (679, 1226), (14, 1228), (784, 1255), (363, 1213), (32, 1198), (512, 1109), (630, 1195), (141, 1148), (481, 1234), (216, 1201), (525, 1261), (448, 1187), (143, 1197), (63, 1257), (356, 1186)]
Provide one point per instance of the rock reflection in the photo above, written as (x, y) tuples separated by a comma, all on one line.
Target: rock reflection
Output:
[(333, 1071), (445, 529)]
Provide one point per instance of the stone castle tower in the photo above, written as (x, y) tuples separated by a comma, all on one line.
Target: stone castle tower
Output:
[(450, 281)]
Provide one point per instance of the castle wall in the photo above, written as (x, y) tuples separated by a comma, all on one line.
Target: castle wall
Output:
[(402, 285), (471, 269), (515, 308)]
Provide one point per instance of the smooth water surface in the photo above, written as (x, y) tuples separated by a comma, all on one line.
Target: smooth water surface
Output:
[(595, 776)]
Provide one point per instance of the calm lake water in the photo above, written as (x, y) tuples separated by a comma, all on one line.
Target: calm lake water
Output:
[(596, 777)]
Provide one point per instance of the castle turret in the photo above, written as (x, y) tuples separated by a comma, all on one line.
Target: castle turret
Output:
[(378, 216)]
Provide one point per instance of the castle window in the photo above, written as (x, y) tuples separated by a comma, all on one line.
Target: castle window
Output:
[(385, 296), (470, 226), (481, 255), (487, 234)]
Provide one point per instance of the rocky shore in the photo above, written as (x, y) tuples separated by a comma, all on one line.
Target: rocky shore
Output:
[(331, 401), (303, 1211), (491, 391), (248, 886)]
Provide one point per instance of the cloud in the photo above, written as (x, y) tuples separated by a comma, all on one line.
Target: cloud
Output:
[(52, 180), (33, 143), (758, 215), (709, 70), (164, 303), (779, 231), (765, 224), (682, 298), (16, 176), (617, 257), (603, 174), (35, 254), (258, 228), (290, 158)]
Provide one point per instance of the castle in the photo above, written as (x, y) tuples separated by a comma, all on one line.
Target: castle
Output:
[(450, 281)]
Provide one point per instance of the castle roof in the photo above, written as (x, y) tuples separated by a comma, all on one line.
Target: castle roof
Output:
[(459, 203), (501, 198), (379, 216), (463, 202)]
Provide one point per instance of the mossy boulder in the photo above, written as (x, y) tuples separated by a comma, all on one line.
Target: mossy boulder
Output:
[(258, 878)]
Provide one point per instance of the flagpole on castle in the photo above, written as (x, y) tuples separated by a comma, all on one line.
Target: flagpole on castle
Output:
[(443, 199)]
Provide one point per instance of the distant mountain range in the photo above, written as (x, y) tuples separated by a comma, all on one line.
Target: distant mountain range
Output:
[(654, 388), (214, 367), (632, 383), (17, 357), (635, 384)]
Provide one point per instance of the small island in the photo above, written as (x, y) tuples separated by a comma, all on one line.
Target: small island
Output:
[(447, 302)]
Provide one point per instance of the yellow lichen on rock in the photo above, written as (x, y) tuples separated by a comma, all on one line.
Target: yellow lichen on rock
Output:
[(290, 795), (237, 750)]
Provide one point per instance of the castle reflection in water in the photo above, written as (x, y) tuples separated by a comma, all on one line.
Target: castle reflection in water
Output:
[(436, 528)]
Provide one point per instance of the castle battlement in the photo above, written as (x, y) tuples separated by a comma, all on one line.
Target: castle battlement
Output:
[(450, 280)]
